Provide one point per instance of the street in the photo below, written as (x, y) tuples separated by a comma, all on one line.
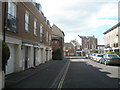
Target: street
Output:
[(72, 73), (84, 73)]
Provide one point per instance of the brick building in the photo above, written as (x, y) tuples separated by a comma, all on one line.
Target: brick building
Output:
[(88, 44), (69, 49), (28, 35), (57, 39)]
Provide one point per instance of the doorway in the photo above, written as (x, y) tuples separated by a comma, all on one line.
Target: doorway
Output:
[(26, 57)]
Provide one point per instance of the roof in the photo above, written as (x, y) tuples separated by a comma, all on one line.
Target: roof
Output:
[(115, 26), (68, 45), (57, 30), (86, 36), (100, 45)]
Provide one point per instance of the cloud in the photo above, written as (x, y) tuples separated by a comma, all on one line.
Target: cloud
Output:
[(73, 35), (78, 16)]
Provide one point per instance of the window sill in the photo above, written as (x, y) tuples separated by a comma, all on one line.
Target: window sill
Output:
[(26, 31), (35, 35)]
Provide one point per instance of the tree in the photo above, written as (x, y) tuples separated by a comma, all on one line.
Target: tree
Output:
[(118, 53), (5, 54), (57, 54)]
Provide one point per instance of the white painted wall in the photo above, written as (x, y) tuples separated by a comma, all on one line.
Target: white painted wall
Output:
[(42, 57), (23, 57), (39, 56), (31, 56), (19, 60), (13, 64)]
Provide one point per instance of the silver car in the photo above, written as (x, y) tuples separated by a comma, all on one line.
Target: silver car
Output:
[(110, 59), (98, 57)]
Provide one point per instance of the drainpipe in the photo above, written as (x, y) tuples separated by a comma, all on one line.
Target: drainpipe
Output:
[(5, 21)]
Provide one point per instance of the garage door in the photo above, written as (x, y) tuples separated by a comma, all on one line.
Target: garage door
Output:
[(10, 63)]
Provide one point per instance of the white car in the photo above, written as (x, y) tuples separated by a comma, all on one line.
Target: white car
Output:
[(93, 56), (98, 57)]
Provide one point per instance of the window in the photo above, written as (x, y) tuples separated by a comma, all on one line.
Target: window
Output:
[(47, 36), (55, 42), (26, 20), (35, 27), (49, 39), (41, 31), (70, 47), (11, 10), (12, 21)]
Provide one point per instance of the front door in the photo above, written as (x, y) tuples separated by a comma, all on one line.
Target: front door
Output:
[(46, 55), (26, 57), (34, 57)]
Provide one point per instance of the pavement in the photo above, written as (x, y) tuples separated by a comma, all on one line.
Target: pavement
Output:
[(18, 77)]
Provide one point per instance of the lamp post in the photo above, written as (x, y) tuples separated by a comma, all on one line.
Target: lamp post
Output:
[(4, 32)]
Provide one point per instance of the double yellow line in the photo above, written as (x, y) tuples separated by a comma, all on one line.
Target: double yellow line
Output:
[(63, 77)]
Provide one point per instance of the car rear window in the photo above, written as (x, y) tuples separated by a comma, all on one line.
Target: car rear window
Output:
[(116, 56), (100, 55)]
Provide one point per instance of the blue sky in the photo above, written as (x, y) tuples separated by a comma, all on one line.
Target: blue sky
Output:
[(81, 17)]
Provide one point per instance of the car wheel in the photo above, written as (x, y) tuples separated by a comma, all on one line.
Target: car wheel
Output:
[(105, 63)]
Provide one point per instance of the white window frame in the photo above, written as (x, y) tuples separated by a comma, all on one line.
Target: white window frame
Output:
[(35, 27), (47, 36), (49, 39), (41, 32), (12, 9), (26, 21)]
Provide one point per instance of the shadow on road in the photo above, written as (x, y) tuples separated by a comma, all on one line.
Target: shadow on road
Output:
[(83, 75), (75, 57)]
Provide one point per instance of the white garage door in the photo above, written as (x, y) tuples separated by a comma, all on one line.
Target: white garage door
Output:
[(10, 63)]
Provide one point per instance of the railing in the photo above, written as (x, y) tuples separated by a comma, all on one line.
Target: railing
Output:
[(12, 23), (115, 45), (107, 46)]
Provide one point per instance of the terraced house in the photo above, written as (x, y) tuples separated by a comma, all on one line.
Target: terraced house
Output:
[(112, 39), (57, 39), (28, 35)]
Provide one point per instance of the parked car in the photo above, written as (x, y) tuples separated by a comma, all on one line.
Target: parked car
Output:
[(98, 57), (93, 55), (88, 55), (110, 59)]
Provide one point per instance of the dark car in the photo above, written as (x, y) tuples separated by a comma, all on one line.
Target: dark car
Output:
[(110, 59)]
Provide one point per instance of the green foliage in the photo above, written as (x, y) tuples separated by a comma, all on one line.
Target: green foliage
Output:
[(118, 53), (5, 53), (57, 54)]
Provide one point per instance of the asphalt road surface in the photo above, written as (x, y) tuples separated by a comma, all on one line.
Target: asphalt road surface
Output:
[(84, 73), (73, 73)]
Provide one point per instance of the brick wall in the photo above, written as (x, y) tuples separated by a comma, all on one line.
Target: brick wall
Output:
[(33, 14)]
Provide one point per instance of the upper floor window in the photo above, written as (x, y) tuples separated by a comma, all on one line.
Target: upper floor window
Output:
[(11, 10), (12, 21), (41, 31), (35, 27), (47, 36), (26, 20), (49, 39)]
